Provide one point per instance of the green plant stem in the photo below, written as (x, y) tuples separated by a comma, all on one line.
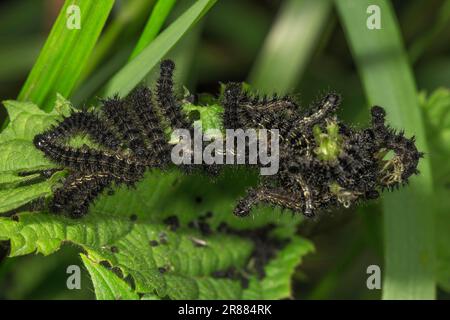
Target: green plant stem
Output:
[(408, 214)]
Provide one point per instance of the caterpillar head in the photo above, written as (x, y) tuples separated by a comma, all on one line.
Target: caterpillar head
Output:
[(398, 155)]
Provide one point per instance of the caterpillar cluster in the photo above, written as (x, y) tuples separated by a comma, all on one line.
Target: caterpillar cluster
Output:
[(130, 136), (131, 139), (306, 182)]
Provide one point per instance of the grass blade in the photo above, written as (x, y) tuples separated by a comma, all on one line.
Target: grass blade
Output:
[(388, 81), (131, 13), (65, 53), (155, 22), (133, 72), (290, 45)]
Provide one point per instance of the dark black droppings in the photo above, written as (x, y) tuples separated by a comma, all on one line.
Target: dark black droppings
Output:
[(206, 216), (106, 264), (194, 115), (153, 243), (114, 249), (244, 282), (209, 214), (223, 227), (133, 217), (163, 238), (5, 249), (219, 274), (232, 274), (162, 270), (265, 247), (172, 222), (118, 272), (201, 225), (198, 199), (204, 228)]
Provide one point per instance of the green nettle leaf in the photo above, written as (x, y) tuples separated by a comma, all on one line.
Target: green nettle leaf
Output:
[(278, 272), (18, 156), (12, 198), (163, 194), (9, 180), (177, 267), (107, 285)]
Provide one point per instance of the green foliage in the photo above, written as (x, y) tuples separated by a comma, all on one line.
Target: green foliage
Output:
[(12, 197), (134, 71), (26, 119), (108, 286), (19, 156), (159, 14), (130, 13), (277, 282), (65, 53), (47, 277), (126, 245)]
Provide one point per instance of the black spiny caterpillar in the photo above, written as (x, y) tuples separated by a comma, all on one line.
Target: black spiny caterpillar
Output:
[(323, 162), (130, 134)]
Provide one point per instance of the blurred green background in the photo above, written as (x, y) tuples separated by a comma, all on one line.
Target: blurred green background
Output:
[(293, 46)]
